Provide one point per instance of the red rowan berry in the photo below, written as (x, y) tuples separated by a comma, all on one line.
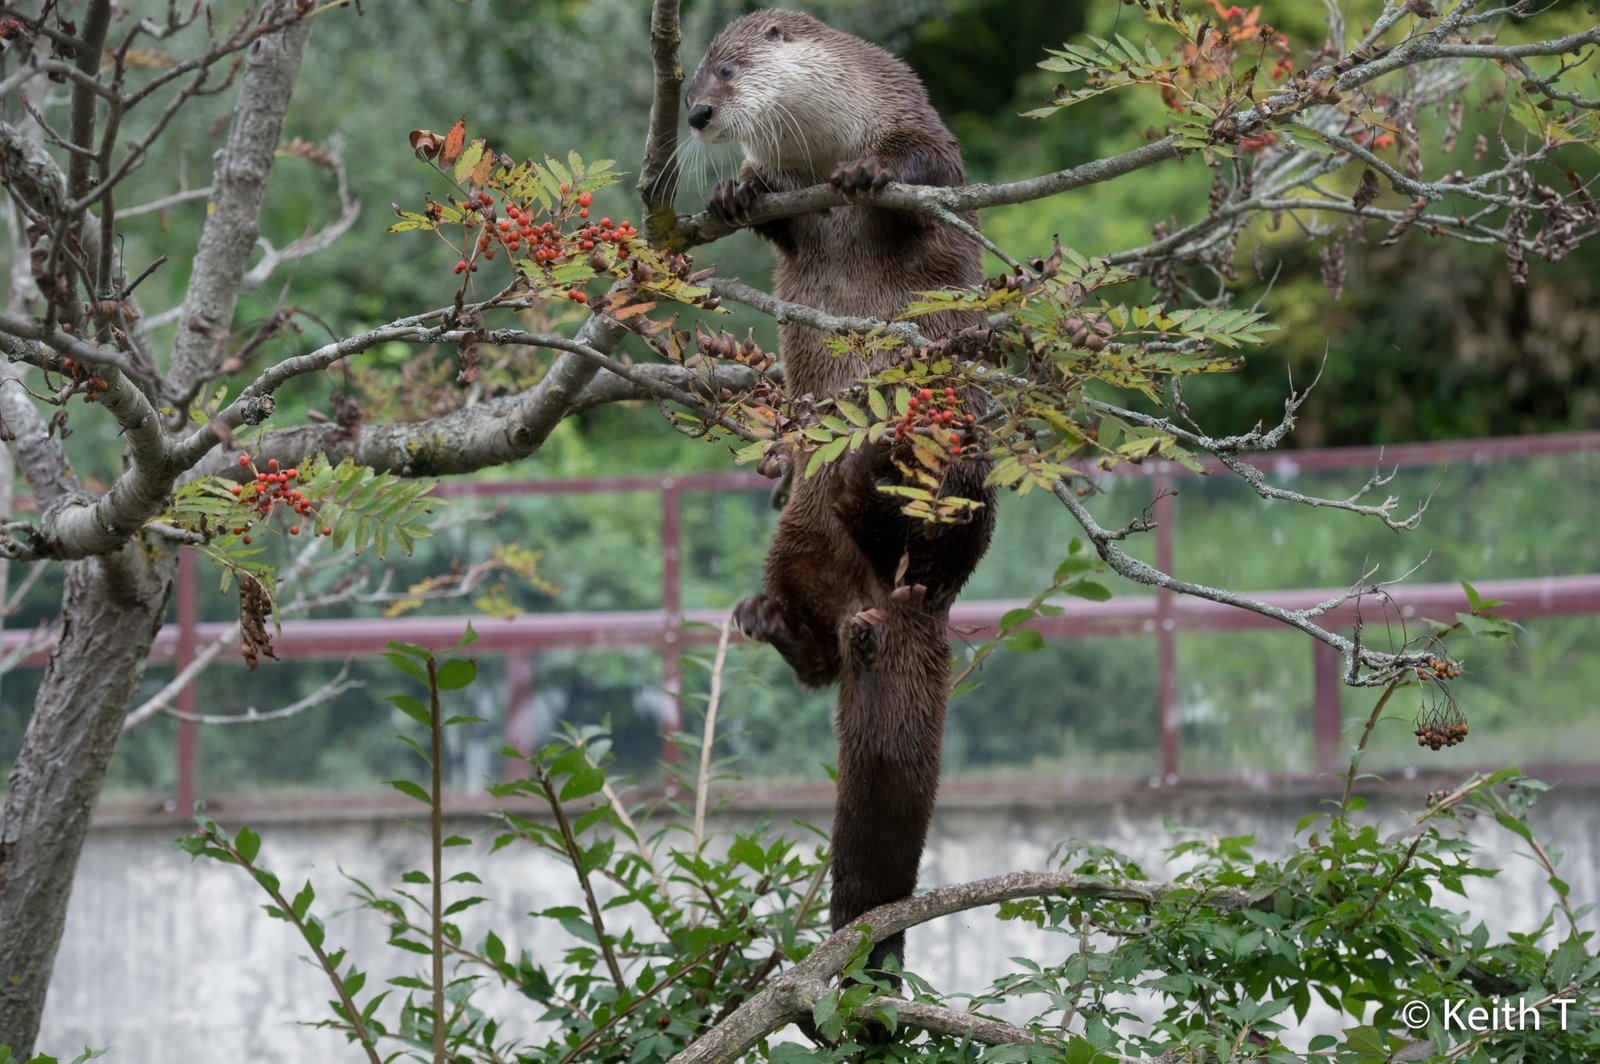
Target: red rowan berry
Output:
[(237, 490), (577, 296), (584, 213), (294, 530), (244, 459), (584, 199)]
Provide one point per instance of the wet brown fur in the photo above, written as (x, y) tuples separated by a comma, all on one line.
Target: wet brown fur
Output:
[(810, 104)]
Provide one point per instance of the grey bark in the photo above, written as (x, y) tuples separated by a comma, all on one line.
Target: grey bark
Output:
[(110, 613), (238, 186), (114, 603)]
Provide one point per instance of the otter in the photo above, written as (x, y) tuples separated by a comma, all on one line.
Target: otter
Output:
[(854, 590)]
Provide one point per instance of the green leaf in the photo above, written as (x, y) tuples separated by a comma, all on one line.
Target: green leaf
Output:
[(584, 781), (248, 843), (1025, 640), (302, 901), (407, 665), (747, 851), (469, 637), (411, 707), (457, 673), (411, 790)]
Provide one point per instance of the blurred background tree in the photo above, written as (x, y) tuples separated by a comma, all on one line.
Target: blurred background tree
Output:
[(1423, 340)]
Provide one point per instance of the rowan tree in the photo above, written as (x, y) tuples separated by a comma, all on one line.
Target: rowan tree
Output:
[(1329, 136)]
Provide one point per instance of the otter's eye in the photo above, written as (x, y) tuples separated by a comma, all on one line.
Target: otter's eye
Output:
[(725, 71)]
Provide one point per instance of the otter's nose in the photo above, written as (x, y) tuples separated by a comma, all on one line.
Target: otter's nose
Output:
[(700, 115)]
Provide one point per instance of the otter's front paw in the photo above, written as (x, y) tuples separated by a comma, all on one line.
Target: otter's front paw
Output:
[(731, 200), (759, 618), (777, 463), (861, 177)]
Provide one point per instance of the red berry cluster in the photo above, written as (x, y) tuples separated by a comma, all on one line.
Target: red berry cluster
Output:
[(268, 492), (544, 243), (935, 411), (84, 380), (1438, 734), (1372, 138), (1439, 669)]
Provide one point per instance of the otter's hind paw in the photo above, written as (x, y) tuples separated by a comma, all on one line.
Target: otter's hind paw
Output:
[(731, 200), (870, 617), (864, 634), (861, 177), (910, 594), (760, 618)]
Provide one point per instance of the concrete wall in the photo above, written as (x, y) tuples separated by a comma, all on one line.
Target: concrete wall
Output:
[(167, 960)]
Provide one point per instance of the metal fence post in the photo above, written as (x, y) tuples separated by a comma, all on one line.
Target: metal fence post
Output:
[(519, 712), (189, 697), (1326, 721), (1164, 514)]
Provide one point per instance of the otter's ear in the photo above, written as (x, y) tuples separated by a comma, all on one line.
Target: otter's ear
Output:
[(777, 32)]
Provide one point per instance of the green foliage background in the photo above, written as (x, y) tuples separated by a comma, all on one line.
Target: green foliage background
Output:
[(1429, 340)]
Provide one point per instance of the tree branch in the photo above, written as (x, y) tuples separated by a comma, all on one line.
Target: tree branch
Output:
[(791, 995), (239, 184), (658, 175)]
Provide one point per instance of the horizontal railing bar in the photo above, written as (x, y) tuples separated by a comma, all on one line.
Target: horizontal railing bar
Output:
[(335, 638), (1277, 463), (817, 797)]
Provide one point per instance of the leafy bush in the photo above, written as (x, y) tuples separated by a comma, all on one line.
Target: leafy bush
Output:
[(687, 950)]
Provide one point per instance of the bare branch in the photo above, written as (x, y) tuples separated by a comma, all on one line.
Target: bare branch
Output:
[(781, 311), (936, 1019), (312, 242), (1226, 450), (658, 175), (1364, 667), (239, 185), (165, 202), (251, 715)]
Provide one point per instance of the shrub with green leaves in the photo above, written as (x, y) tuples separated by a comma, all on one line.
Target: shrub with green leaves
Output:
[(686, 949)]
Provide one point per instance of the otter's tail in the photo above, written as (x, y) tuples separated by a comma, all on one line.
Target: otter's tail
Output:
[(894, 686)]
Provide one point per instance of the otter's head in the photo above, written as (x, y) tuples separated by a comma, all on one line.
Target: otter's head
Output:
[(792, 92)]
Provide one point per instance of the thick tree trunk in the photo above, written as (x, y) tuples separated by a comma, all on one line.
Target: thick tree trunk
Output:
[(110, 613)]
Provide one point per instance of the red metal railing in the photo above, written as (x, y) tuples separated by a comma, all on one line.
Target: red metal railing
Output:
[(670, 628)]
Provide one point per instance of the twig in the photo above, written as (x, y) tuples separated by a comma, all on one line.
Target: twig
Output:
[(436, 850), (575, 858), (708, 736), (321, 696)]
